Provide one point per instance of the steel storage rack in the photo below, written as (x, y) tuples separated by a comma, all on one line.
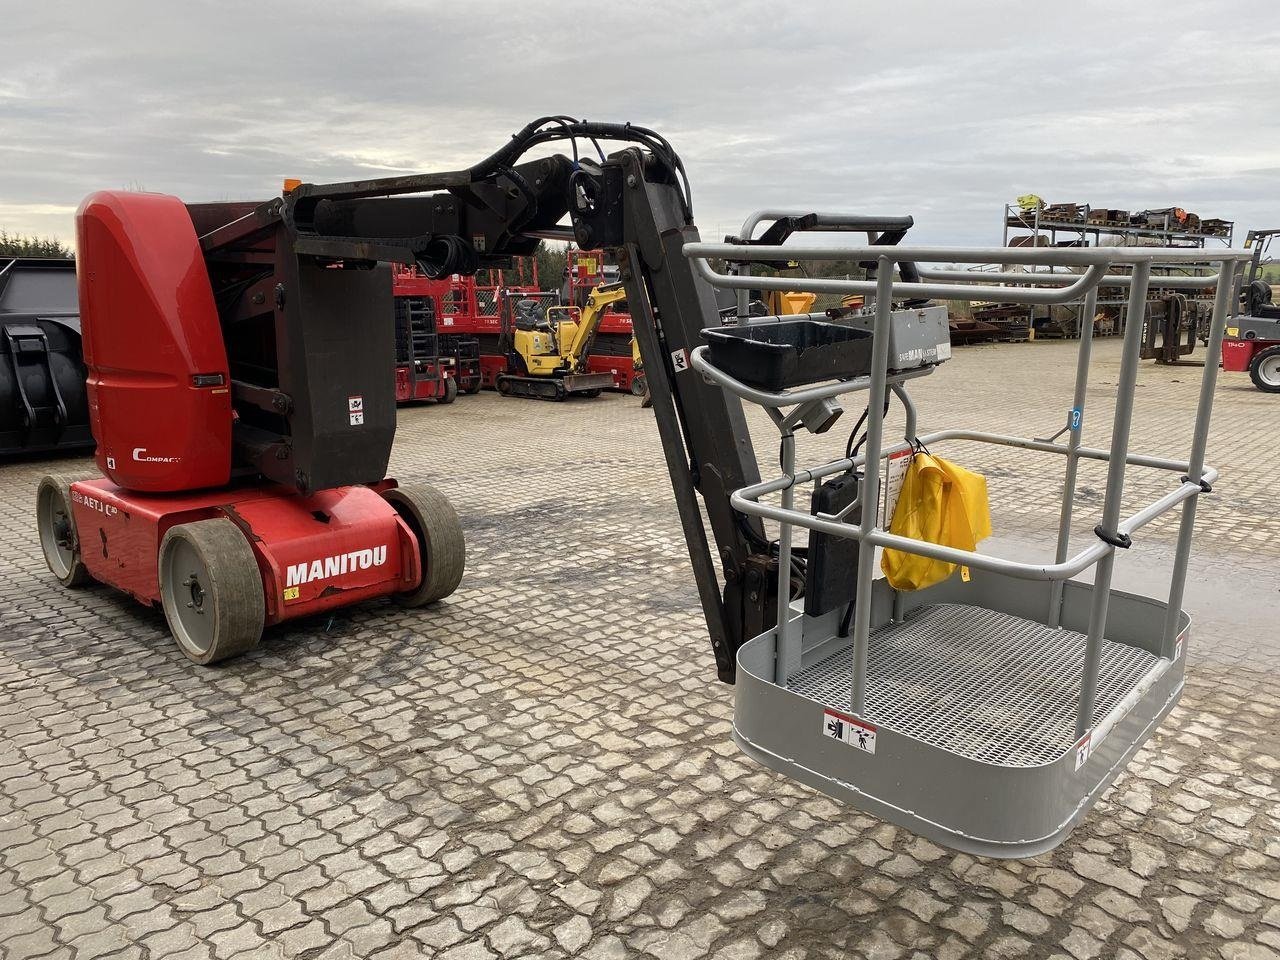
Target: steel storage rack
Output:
[(1174, 318), (986, 714)]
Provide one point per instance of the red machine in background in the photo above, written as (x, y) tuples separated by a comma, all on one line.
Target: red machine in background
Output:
[(614, 351), (469, 319), (237, 358), (422, 373)]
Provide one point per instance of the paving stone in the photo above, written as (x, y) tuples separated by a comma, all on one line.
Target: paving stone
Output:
[(540, 764)]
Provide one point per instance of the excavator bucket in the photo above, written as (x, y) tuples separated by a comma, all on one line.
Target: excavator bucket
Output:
[(42, 375)]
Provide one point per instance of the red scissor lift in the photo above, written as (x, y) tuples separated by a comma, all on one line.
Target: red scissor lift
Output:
[(423, 371), (470, 322), (612, 351)]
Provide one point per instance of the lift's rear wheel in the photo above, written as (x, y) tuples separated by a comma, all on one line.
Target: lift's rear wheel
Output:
[(638, 386), (450, 391), (473, 387), (211, 590), (1264, 369), (441, 548), (58, 538)]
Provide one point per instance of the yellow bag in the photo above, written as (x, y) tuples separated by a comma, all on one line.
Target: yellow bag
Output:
[(939, 503)]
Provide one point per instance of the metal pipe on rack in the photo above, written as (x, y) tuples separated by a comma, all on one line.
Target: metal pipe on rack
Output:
[(1115, 491), (871, 482), (1222, 303), (1075, 424), (1043, 276)]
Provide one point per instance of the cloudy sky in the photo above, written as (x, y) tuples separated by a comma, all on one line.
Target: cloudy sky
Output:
[(941, 110)]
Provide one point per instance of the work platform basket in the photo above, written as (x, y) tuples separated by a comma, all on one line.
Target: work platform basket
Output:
[(990, 712)]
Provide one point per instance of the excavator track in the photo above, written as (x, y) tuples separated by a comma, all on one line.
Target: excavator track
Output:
[(554, 388)]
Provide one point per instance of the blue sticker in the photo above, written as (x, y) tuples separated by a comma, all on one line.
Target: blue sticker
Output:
[(1077, 416)]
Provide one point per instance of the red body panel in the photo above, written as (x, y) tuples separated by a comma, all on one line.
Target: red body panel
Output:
[(430, 383), (1238, 354), (360, 550), (622, 369), (149, 326)]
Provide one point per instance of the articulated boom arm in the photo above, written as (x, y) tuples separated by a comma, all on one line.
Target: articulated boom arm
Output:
[(589, 321), (303, 304)]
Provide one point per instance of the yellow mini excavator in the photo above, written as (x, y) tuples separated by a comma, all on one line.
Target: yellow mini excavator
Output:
[(547, 351)]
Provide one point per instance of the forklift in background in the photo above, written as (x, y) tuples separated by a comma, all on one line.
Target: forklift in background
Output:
[(1252, 341)]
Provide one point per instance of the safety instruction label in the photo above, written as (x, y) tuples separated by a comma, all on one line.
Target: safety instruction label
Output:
[(679, 360), (850, 730), (1076, 419), (355, 409), (1082, 749), (895, 469), (944, 350)]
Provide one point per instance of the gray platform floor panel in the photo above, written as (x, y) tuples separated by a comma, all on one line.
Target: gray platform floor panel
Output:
[(979, 683)]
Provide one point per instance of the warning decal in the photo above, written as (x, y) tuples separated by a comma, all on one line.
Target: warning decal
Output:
[(850, 730), (679, 360), (1082, 749), (895, 469), (355, 408)]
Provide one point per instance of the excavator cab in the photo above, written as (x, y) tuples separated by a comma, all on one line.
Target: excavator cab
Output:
[(550, 349)]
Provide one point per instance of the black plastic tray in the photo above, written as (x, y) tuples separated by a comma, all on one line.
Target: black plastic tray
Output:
[(790, 353)]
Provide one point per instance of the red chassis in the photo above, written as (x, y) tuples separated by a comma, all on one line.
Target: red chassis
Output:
[(329, 549)]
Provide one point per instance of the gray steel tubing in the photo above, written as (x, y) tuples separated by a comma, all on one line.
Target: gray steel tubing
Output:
[(1048, 256), (909, 408), (1158, 507), (1110, 280), (1013, 568), (871, 482), (1086, 453), (1083, 356), (941, 291), (1115, 491), (786, 643), (765, 487), (1222, 304)]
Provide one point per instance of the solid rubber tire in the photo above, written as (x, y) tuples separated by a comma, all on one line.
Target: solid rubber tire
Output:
[(53, 499), (231, 587), (441, 546)]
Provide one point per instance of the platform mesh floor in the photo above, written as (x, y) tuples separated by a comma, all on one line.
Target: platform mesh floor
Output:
[(978, 683)]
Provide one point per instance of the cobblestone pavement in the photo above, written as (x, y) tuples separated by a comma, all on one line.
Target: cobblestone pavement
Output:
[(541, 766)]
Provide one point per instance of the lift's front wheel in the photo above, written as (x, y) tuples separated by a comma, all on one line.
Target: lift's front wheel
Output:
[(450, 391), (441, 549), (211, 590), (1264, 369), (639, 385), (58, 538)]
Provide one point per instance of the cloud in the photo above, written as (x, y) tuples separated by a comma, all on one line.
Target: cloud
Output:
[(944, 111)]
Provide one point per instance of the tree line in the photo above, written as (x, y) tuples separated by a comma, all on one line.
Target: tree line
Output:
[(18, 245)]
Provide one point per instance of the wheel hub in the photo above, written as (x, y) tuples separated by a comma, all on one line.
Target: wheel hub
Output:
[(196, 590)]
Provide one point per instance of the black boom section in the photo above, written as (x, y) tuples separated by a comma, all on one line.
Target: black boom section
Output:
[(704, 433)]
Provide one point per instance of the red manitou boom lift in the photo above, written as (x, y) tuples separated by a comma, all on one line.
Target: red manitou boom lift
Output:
[(238, 358)]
